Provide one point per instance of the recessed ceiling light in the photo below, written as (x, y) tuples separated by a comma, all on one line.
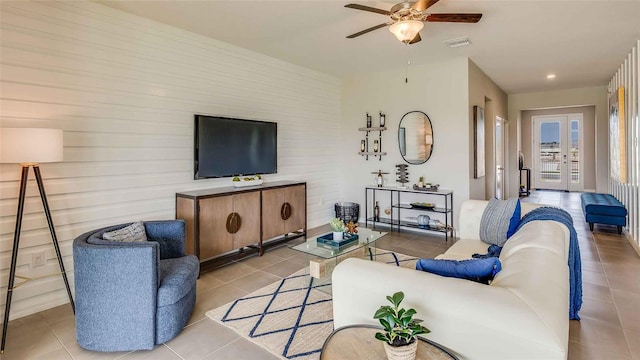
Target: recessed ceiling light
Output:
[(457, 42), (551, 76)]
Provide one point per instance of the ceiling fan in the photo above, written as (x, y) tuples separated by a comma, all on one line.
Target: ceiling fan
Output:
[(407, 19)]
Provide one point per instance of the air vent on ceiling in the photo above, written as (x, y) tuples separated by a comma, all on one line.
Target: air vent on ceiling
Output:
[(458, 42)]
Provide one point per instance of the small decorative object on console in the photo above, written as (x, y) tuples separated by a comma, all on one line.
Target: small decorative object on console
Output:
[(426, 187), (400, 329), (376, 212), (376, 145), (368, 120), (403, 175), (422, 205), (421, 181), (241, 181), (363, 144), (383, 119), (379, 177)]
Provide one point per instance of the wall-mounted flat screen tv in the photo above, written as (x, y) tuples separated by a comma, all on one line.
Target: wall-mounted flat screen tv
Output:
[(231, 147)]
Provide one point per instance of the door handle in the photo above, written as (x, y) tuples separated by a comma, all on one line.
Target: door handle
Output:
[(285, 211), (234, 222)]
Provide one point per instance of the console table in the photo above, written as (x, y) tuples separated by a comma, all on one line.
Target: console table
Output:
[(229, 223), (398, 207)]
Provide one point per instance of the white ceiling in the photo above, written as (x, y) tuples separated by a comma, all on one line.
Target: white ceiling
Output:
[(517, 42)]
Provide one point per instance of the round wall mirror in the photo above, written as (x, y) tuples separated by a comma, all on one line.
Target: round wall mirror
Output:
[(415, 137)]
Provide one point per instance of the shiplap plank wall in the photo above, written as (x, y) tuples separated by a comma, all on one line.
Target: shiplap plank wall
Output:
[(124, 90), (628, 77)]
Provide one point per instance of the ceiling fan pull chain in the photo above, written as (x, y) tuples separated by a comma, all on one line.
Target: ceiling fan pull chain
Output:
[(406, 69)]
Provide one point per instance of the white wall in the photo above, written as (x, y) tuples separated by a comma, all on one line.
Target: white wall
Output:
[(124, 90), (596, 96), (440, 90), (485, 93), (628, 77)]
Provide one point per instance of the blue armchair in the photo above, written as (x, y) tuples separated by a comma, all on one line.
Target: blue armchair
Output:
[(133, 295)]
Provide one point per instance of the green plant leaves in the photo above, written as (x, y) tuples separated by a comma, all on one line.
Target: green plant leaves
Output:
[(397, 298), (399, 325)]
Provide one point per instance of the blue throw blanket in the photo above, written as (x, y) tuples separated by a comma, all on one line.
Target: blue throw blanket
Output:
[(575, 266)]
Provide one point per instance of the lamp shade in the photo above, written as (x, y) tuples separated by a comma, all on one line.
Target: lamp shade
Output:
[(29, 146), (406, 30)]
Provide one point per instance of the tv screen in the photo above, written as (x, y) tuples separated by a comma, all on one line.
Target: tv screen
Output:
[(232, 147)]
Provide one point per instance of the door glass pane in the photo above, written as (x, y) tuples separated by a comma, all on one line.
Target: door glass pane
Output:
[(574, 151), (550, 152)]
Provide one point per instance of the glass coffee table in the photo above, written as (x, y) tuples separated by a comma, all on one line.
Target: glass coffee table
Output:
[(359, 342), (322, 260)]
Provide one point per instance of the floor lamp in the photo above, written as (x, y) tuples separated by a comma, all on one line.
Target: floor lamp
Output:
[(29, 147)]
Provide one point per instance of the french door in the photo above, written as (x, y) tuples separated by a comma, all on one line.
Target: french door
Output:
[(557, 152)]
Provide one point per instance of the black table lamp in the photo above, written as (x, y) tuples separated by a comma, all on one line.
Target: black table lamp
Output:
[(29, 148)]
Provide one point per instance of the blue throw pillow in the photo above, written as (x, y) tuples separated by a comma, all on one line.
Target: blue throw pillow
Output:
[(480, 270), (500, 220)]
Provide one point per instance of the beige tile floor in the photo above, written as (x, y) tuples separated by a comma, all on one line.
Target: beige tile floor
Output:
[(610, 326)]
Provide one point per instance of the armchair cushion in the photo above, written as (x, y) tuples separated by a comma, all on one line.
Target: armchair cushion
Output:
[(132, 233), (177, 276)]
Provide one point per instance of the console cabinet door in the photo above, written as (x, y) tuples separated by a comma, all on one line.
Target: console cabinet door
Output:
[(247, 206), (295, 197), (283, 211), (272, 224), (214, 237)]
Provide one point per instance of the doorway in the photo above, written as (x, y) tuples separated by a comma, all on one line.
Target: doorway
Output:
[(499, 158), (557, 152)]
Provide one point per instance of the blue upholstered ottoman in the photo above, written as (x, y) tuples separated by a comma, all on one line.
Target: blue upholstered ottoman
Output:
[(603, 209)]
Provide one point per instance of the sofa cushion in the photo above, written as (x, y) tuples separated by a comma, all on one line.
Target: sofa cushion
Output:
[(177, 277), (463, 249), (479, 270), (499, 221), (132, 233)]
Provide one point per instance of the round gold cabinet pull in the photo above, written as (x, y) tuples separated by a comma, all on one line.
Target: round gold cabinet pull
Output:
[(234, 222), (285, 211)]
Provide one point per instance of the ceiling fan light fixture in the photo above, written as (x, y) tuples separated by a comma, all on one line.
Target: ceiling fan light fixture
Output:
[(406, 30)]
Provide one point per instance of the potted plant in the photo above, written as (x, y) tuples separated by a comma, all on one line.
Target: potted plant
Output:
[(421, 182), (338, 228), (400, 329)]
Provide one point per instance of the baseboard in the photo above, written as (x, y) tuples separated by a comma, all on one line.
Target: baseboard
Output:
[(631, 241)]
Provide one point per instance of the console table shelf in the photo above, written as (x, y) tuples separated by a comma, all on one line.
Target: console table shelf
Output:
[(398, 208)]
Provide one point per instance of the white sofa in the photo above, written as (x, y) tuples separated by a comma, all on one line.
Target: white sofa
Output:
[(523, 314)]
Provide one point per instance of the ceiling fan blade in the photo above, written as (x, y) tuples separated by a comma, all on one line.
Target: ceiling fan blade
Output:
[(367, 8), (415, 39), (368, 30), (422, 5), (458, 18)]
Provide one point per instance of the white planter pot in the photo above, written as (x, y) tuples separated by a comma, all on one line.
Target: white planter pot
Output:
[(337, 235)]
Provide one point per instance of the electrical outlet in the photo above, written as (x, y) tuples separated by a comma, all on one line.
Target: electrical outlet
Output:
[(37, 259)]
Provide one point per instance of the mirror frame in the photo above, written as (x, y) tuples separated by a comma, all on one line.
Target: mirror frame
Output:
[(401, 140)]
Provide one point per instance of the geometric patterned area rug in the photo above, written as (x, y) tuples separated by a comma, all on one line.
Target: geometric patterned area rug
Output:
[(291, 318)]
